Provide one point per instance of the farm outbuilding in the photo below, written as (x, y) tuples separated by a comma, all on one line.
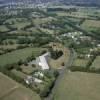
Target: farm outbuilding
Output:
[(42, 61)]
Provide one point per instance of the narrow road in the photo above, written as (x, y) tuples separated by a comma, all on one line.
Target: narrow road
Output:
[(62, 71)]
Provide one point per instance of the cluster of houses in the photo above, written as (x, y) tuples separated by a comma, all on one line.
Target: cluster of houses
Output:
[(72, 34), (42, 63), (79, 37)]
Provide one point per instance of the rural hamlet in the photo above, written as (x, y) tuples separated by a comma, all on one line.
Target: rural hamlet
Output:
[(49, 49), (42, 62)]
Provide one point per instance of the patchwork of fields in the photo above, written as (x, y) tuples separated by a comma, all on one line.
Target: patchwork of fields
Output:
[(28, 34)]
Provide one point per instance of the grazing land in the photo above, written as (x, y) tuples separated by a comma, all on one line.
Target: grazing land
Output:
[(3, 28), (96, 63), (80, 62), (90, 24), (19, 74), (10, 90), (27, 69), (17, 55), (78, 86)]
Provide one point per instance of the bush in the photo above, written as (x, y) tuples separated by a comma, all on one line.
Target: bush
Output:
[(20, 62), (55, 54), (9, 66)]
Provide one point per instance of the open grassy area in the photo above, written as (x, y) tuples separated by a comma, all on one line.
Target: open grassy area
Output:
[(19, 74), (27, 69), (18, 22), (47, 30), (80, 62), (56, 64), (96, 63), (3, 28), (82, 12), (78, 14), (38, 21), (89, 24), (78, 86), (17, 55), (10, 90), (14, 46), (22, 94), (33, 29), (19, 25), (6, 84)]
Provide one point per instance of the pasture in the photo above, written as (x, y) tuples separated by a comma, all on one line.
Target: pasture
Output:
[(3, 28), (27, 69), (96, 63), (14, 46), (81, 12), (17, 55), (19, 74), (38, 21), (18, 22), (80, 62), (90, 24), (10, 90), (78, 86), (46, 30)]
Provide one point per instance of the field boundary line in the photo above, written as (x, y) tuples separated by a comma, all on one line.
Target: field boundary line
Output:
[(9, 92)]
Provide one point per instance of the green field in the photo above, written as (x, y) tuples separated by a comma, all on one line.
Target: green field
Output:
[(78, 14), (38, 21), (17, 55), (21, 25), (47, 30), (78, 86), (18, 22), (14, 46), (80, 62), (10, 90), (90, 24), (19, 74), (82, 12), (96, 63), (3, 28), (27, 69)]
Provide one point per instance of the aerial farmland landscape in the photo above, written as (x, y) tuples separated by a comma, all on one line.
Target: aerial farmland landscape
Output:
[(49, 50)]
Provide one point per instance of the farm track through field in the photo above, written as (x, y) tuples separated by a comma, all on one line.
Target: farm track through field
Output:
[(9, 92)]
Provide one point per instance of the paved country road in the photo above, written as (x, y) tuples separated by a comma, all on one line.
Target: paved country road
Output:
[(62, 71)]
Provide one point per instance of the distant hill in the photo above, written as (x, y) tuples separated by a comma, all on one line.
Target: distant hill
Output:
[(76, 2)]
